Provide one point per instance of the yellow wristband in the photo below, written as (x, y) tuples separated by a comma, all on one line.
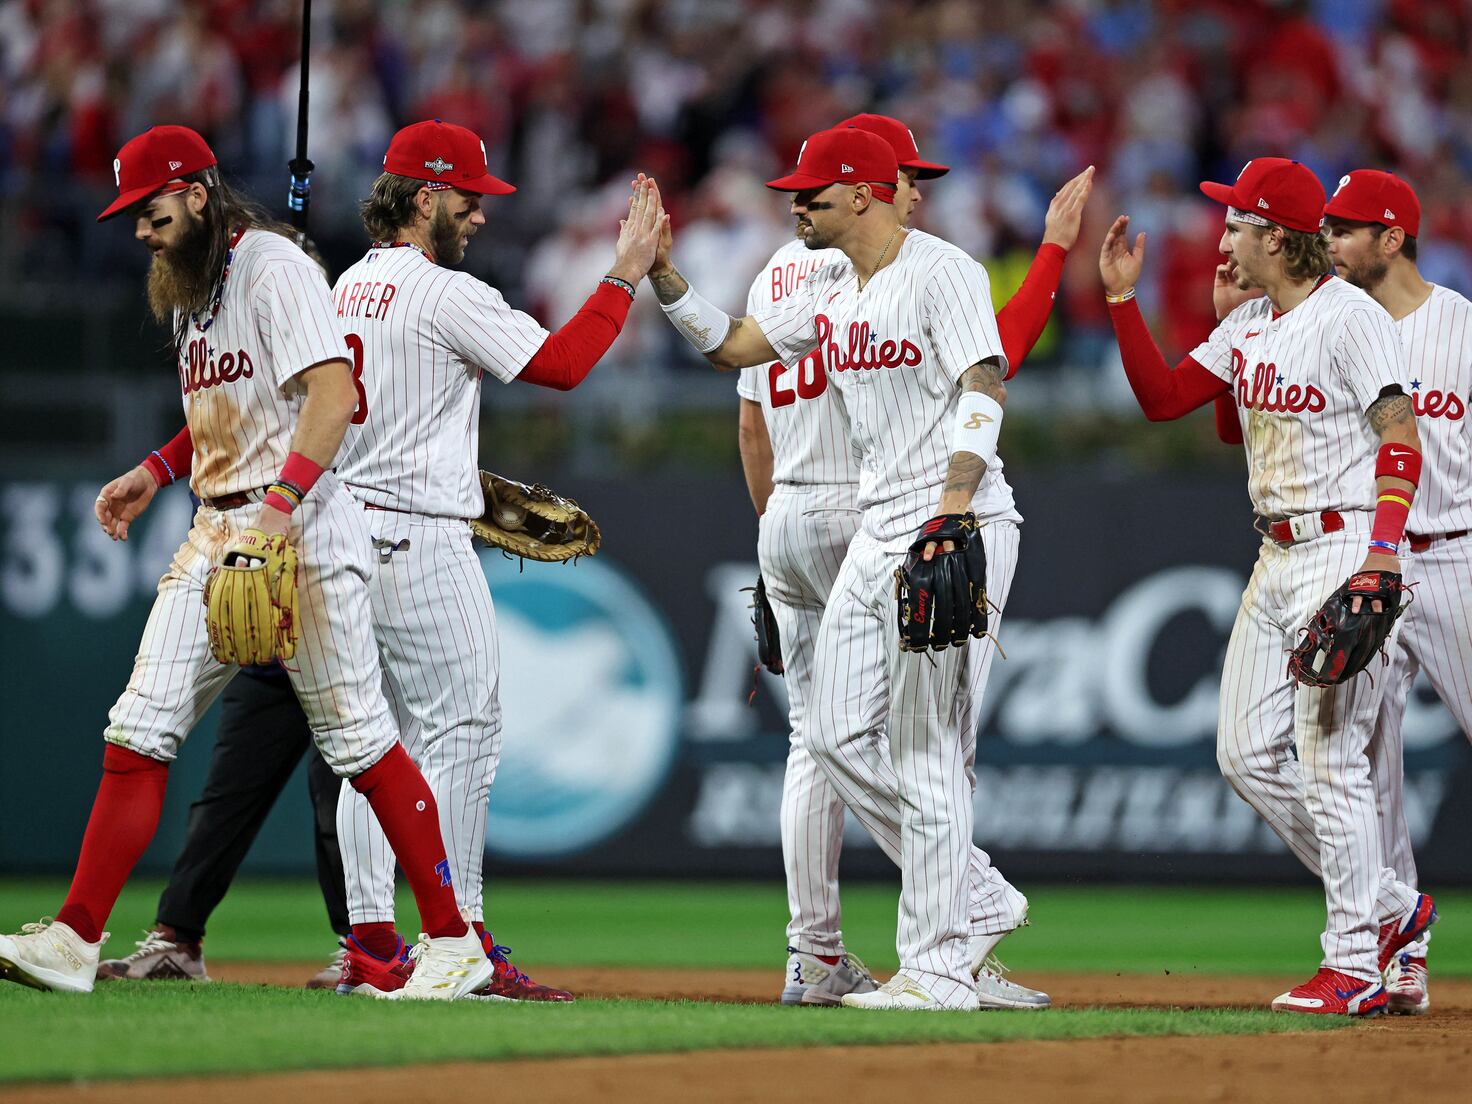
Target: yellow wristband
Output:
[(1123, 297), (1394, 498)]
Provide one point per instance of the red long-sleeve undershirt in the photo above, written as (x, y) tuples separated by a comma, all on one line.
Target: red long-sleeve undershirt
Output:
[(1022, 320), (1228, 425), (567, 356), (1162, 392), (178, 455)]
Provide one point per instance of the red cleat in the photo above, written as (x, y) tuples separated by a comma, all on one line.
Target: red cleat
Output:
[(1398, 933), (1330, 993), (509, 983), (364, 973)]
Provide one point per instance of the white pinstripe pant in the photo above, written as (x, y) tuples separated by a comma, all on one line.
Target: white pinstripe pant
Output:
[(335, 672), (1297, 754), (436, 630), (1435, 636), (894, 731)]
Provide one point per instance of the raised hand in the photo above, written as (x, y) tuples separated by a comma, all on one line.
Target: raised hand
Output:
[(1119, 265), (121, 501), (640, 234), (1226, 296), (1066, 211)]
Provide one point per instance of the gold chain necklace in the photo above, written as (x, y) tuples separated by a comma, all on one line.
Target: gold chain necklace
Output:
[(875, 270)]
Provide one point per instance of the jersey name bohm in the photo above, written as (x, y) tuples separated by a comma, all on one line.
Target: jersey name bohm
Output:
[(789, 277), (365, 299), (865, 350), (1266, 392), (199, 370)]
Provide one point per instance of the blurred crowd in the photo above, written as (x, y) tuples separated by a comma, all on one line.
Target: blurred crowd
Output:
[(714, 96)]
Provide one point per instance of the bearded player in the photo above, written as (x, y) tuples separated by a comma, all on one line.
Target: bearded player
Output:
[(904, 327), (268, 394), (1318, 377), (1373, 220), (804, 484)]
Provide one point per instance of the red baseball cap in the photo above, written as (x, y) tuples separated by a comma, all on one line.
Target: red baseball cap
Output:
[(1276, 189), (902, 140), (148, 162), (843, 155), (1369, 195), (444, 154)]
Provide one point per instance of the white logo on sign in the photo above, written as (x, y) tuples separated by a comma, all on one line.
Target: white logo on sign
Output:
[(438, 165), (174, 166), (844, 166)]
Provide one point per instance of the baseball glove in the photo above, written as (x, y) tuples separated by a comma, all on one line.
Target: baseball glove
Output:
[(768, 642), (534, 522), (1337, 643), (250, 601), (942, 601)]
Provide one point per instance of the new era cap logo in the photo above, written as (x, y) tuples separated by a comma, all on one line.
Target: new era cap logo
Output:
[(1264, 204), (1389, 213), (844, 166), (438, 165), (175, 165)]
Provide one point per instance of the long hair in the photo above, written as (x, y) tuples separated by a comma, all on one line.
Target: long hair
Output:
[(389, 206), (1305, 255)]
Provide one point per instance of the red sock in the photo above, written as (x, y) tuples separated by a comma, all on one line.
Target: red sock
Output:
[(124, 817), (401, 801), (380, 939), (479, 929)]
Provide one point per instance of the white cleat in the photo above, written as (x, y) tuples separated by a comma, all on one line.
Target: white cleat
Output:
[(901, 993), (446, 968), (1409, 990), (50, 956), (810, 980), (993, 990)]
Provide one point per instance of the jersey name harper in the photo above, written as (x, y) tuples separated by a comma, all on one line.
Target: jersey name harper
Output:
[(1437, 338), (236, 371), (1302, 382), (422, 336), (894, 353), (807, 427)]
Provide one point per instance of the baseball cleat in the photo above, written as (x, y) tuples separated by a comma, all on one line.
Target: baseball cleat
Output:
[(1398, 933), (982, 946), (445, 968), (510, 984), (900, 993), (993, 990), (1409, 992), (1331, 993), (161, 956), (810, 980), (330, 976), (49, 955), (364, 973)]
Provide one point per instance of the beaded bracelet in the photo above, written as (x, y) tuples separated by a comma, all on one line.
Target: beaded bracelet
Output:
[(1384, 546), (618, 283), (165, 463)]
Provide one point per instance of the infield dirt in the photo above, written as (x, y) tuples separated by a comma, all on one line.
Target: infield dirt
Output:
[(1380, 1059)]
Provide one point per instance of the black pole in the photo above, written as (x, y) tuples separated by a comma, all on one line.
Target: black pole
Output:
[(300, 193)]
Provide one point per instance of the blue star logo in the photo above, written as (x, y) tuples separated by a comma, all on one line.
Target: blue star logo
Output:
[(1281, 378), (1415, 385)]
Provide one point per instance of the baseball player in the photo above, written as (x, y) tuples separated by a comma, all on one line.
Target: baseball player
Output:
[(903, 326), (804, 485), (1373, 219), (422, 337), (268, 394), (1333, 458)]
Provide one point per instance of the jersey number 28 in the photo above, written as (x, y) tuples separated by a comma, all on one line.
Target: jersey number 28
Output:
[(360, 412), (812, 381)]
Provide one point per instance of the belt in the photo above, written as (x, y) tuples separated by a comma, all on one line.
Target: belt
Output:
[(235, 501), (1419, 542), (1304, 527)]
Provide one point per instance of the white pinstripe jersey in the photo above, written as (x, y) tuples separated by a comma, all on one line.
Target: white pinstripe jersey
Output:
[(1303, 381), (275, 320), (893, 354), (422, 336), (808, 432), (1437, 338)]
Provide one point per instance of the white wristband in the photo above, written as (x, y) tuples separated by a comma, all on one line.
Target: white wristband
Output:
[(978, 424), (699, 321)]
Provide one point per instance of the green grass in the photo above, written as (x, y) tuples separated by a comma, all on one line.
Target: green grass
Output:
[(1112, 928), (133, 1029)]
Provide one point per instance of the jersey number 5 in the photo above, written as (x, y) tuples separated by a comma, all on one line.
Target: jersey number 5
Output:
[(360, 412), (812, 381)]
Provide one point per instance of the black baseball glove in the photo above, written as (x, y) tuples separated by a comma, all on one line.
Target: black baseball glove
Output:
[(768, 642), (942, 601), (1338, 643)]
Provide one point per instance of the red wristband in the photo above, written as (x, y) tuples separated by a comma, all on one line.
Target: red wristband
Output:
[(1400, 462), (1391, 510), (298, 475)]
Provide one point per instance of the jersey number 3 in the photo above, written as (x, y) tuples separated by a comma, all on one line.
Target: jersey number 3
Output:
[(812, 381), (360, 412)]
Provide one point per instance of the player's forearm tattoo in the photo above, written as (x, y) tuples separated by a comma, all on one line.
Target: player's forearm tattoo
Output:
[(668, 285), (986, 376), (966, 468), (1389, 410)]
